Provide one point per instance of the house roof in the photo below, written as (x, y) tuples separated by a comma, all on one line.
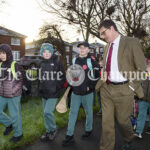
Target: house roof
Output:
[(8, 32)]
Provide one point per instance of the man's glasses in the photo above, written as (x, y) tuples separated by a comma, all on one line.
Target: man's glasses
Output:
[(103, 33)]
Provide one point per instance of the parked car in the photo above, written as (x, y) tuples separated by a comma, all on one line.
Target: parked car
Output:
[(30, 61)]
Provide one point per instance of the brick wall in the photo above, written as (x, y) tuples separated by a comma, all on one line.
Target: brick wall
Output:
[(7, 40)]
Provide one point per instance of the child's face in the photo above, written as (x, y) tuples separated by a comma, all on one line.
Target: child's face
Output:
[(47, 54), (2, 56), (83, 51)]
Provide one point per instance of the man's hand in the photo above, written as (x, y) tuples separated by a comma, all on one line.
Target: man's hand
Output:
[(148, 69)]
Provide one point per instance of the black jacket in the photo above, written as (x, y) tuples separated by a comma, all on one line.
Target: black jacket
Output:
[(51, 78), (87, 83)]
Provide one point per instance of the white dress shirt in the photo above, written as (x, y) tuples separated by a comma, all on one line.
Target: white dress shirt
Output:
[(115, 75)]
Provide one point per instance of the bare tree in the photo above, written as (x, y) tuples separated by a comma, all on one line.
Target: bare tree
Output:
[(87, 14), (131, 15), (53, 34)]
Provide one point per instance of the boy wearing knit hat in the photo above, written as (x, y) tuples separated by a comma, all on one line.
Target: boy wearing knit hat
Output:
[(50, 87), (11, 83)]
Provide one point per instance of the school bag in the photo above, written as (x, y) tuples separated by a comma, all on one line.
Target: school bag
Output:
[(89, 64)]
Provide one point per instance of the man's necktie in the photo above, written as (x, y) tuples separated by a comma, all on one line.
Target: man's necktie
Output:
[(108, 64)]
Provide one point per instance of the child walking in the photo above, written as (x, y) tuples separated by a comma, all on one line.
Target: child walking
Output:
[(51, 79), (144, 106), (11, 83), (83, 93)]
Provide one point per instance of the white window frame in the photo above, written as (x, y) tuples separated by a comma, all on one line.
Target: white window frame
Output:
[(92, 51), (16, 55), (67, 48), (67, 57), (15, 41), (101, 50)]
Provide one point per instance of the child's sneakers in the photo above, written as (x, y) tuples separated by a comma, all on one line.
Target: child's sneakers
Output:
[(52, 135), (49, 136), (147, 130), (139, 135), (16, 139), (68, 140), (86, 134), (8, 130)]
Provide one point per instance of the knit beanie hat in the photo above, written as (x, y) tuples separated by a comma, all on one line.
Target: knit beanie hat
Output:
[(46, 46)]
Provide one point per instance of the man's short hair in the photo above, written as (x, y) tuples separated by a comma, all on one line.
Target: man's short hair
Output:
[(107, 24)]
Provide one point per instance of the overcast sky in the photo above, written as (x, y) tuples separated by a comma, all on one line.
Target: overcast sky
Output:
[(26, 17)]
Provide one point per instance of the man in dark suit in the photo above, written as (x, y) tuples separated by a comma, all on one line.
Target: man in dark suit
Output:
[(122, 56)]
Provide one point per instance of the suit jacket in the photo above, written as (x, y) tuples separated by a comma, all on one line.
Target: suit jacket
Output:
[(130, 59)]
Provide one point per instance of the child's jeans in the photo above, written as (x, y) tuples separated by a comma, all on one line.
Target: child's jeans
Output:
[(142, 116), (14, 108), (48, 108)]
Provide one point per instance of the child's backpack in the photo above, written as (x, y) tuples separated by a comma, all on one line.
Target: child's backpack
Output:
[(89, 64)]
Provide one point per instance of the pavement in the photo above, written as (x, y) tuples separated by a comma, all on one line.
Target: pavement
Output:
[(92, 143)]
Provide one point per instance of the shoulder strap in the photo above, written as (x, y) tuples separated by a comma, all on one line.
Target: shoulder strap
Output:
[(74, 60), (13, 69), (89, 63)]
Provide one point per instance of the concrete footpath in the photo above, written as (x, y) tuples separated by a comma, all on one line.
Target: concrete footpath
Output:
[(92, 143)]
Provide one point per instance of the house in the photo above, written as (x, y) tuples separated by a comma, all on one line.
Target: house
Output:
[(15, 40), (32, 48), (96, 49), (69, 52)]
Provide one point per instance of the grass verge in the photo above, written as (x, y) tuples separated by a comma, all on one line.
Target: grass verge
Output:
[(33, 123)]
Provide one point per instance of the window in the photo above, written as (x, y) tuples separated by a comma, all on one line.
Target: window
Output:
[(101, 50), (67, 57), (92, 51), (16, 55), (67, 49), (97, 50), (15, 41)]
